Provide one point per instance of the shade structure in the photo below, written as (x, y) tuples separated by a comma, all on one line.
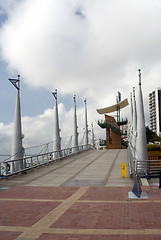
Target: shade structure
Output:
[(113, 108)]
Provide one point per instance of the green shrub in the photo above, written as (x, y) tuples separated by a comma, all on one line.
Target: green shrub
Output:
[(152, 147)]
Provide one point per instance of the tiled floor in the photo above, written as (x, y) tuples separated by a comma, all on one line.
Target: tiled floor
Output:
[(79, 213)]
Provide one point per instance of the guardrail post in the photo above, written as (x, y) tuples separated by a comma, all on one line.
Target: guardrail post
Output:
[(38, 163), (31, 162), (7, 168)]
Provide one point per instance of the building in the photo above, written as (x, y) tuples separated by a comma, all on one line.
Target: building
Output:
[(155, 111)]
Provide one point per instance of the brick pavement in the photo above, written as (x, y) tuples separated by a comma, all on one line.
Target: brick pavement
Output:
[(74, 213)]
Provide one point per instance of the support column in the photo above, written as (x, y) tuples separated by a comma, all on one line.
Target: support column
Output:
[(17, 151), (56, 138), (75, 137), (141, 141), (86, 124)]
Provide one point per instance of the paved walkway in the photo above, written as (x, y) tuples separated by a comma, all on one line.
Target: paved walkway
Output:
[(90, 168), (78, 206), (78, 213)]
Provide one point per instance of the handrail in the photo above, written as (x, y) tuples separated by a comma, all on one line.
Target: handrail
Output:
[(143, 168), (148, 168), (12, 167)]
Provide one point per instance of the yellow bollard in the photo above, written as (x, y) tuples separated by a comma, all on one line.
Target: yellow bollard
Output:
[(123, 170)]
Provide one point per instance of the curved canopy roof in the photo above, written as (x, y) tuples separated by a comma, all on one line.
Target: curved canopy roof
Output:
[(113, 108)]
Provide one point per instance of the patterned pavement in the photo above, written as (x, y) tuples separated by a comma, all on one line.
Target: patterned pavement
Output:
[(79, 213)]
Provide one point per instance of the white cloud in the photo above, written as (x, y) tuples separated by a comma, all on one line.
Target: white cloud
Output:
[(55, 48), (5, 137)]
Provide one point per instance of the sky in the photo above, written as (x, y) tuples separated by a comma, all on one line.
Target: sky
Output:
[(91, 48)]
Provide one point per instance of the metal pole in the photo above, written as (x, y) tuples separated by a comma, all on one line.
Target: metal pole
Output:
[(86, 124), (130, 135), (75, 138), (131, 117), (134, 122), (57, 139), (17, 151), (141, 141), (93, 140)]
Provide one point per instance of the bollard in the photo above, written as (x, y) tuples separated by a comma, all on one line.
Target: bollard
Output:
[(160, 179)]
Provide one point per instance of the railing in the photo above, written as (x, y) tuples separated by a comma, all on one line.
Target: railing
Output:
[(148, 168), (11, 167), (143, 168)]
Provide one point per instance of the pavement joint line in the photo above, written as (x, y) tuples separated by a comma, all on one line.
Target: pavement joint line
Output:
[(104, 231), (30, 200), (119, 201), (80, 231), (13, 228), (82, 201), (44, 223)]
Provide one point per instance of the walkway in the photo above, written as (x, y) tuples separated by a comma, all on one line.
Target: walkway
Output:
[(90, 168), (79, 207)]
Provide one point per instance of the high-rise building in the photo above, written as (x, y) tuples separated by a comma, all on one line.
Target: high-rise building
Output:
[(155, 111)]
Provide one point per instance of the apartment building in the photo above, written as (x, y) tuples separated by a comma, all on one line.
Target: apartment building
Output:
[(155, 111)]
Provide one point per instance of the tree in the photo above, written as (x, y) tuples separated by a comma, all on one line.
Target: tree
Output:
[(151, 136)]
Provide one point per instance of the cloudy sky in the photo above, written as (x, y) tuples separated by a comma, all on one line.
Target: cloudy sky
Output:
[(91, 48)]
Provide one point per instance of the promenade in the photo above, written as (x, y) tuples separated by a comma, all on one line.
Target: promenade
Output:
[(79, 198)]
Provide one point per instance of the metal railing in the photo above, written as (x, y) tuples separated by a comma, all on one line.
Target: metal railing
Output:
[(11, 167), (143, 168), (148, 168)]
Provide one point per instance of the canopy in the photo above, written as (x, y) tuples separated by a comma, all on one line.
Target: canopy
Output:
[(113, 108)]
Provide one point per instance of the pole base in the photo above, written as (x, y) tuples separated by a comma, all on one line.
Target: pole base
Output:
[(143, 195)]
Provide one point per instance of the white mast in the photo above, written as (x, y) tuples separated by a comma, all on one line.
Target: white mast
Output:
[(93, 140), (141, 141), (17, 151), (134, 123), (75, 138), (131, 116), (86, 124), (57, 139)]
